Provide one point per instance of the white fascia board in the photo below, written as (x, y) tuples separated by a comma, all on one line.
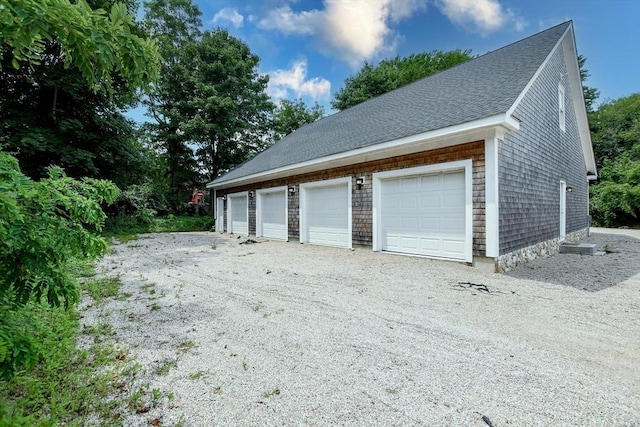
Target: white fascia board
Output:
[(577, 97), (452, 135), (536, 74)]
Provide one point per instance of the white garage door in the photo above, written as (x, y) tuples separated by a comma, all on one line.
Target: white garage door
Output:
[(271, 211), (424, 214), (326, 215), (238, 219)]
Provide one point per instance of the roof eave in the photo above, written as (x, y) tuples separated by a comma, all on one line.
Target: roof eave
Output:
[(452, 135)]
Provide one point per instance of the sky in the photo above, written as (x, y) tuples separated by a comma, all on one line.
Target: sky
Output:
[(309, 47)]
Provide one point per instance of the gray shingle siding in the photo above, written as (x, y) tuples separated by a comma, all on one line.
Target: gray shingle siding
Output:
[(533, 161)]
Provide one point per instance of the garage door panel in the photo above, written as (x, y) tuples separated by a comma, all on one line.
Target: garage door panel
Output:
[(452, 180), (239, 224), (327, 215), (273, 215), (430, 218), (453, 246)]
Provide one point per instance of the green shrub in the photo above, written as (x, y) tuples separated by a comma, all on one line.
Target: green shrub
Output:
[(44, 227)]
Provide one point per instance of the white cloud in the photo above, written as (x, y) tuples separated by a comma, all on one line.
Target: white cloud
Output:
[(351, 29), (485, 16), (228, 14), (283, 83)]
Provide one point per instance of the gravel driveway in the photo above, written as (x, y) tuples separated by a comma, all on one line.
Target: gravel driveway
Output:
[(277, 333)]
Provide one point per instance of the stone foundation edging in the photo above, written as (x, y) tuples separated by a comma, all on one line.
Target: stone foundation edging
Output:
[(544, 249)]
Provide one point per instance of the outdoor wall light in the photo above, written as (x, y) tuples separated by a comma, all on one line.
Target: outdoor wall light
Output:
[(224, 197), (292, 190), (360, 181), (251, 194), (569, 189)]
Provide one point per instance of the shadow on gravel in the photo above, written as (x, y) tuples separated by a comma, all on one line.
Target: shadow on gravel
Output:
[(589, 273)]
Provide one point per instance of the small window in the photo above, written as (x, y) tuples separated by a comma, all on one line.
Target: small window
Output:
[(561, 112)]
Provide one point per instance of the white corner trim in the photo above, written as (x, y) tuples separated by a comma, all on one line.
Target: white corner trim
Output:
[(303, 187), (492, 201), (386, 149), (466, 165)]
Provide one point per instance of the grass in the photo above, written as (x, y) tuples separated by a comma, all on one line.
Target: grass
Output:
[(68, 385), (126, 229), (197, 375), (165, 366), (187, 346), (74, 386), (100, 289), (270, 393)]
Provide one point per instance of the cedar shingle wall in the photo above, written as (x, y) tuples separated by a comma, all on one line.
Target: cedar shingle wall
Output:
[(533, 160), (362, 199)]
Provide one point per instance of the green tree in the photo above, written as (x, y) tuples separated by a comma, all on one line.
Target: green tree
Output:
[(615, 128), (172, 24), (102, 45), (615, 200), (222, 106), (46, 224), (63, 102), (590, 94), (291, 115), (390, 74), (615, 133)]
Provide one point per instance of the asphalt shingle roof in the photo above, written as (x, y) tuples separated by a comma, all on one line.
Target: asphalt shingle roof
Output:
[(483, 87)]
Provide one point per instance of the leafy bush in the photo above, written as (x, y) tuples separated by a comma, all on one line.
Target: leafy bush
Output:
[(44, 226), (616, 199)]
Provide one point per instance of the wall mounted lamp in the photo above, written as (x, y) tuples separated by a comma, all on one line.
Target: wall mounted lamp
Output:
[(360, 181), (224, 197), (251, 194), (569, 189), (292, 189)]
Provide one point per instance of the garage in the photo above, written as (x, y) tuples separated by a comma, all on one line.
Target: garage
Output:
[(425, 211), (271, 213), (238, 213), (325, 212)]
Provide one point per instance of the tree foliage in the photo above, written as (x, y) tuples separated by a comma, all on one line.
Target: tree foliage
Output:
[(291, 115), (225, 108), (209, 105), (63, 104), (390, 74), (44, 226), (615, 133), (590, 94), (102, 45), (615, 128)]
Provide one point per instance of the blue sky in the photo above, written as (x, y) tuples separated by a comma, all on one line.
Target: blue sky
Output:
[(309, 47)]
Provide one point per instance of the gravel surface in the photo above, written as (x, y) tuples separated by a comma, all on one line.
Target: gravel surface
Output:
[(276, 333), (590, 273)]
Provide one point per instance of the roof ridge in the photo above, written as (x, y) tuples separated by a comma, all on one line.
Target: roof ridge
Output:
[(454, 67)]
